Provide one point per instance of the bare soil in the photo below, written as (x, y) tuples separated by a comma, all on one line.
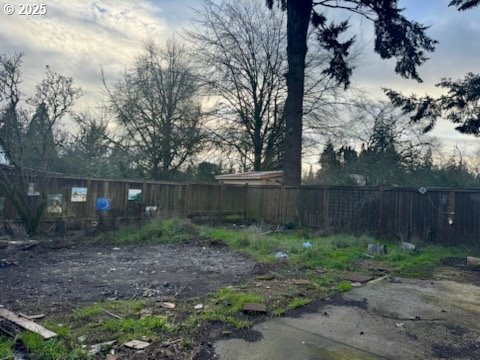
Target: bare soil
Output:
[(59, 276)]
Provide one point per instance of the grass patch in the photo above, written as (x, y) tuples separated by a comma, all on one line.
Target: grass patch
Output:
[(130, 329), (6, 346), (156, 232), (94, 325), (344, 286), (122, 308), (335, 252), (295, 303), (226, 306), (54, 349), (95, 322), (421, 263)]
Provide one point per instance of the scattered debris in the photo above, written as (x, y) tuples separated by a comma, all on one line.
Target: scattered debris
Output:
[(473, 262), (168, 305), (32, 317), (254, 308), (303, 282), (113, 315), (198, 307), (97, 348), (381, 278), (407, 247), (280, 255), (26, 324), (168, 343), (321, 270), (265, 277), (81, 339), (144, 313), (357, 277), (399, 324), (376, 249), (395, 280), (307, 245), (24, 244), (116, 249), (137, 344)]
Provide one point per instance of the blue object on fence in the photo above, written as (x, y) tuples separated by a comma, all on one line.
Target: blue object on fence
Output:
[(307, 245), (104, 204)]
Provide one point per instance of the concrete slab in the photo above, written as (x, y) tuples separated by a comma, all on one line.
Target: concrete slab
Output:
[(285, 341), (405, 319)]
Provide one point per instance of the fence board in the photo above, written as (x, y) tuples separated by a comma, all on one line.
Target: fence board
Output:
[(439, 215)]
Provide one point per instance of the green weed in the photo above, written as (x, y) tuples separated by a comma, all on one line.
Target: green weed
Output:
[(336, 252), (226, 305), (54, 349), (6, 351), (295, 303), (422, 262), (344, 286), (129, 329), (118, 307), (157, 232)]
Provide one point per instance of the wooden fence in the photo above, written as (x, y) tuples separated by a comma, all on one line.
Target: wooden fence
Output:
[(439, 215)]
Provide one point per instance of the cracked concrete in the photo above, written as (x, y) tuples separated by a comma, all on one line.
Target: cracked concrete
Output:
[(405, 319)]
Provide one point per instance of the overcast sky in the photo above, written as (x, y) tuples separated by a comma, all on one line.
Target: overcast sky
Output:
[(78, 37)]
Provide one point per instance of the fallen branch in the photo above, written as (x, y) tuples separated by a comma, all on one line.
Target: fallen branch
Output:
[(2, 329), (31, 317), (113, 315), (168, 343)]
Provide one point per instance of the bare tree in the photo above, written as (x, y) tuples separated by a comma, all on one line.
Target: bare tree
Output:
[(27, 137), (242, 49), (240, 46), (155, 105)]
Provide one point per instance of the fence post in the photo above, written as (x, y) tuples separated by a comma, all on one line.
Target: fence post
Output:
[(246, 202), (452, 215), (222, 194), (186, 201), (325, 208), (380, 230)]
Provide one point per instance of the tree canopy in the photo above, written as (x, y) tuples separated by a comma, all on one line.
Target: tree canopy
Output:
[(460, 105), (395, 37)]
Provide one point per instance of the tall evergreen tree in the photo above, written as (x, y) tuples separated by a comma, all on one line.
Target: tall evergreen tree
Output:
[(395, 37)]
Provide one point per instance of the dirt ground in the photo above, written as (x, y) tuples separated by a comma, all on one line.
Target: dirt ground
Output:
[(395, 318), (56, 276)]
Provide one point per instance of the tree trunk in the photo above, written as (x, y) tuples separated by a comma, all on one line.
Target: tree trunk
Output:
[(298, 13)]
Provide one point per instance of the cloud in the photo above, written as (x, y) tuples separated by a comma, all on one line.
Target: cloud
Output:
[(77, 38)]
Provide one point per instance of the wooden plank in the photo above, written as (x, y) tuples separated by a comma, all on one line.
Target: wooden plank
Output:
[(26, 324), (473, 262), (357, 277), (254, 308), (32, 317), (137, 344)]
